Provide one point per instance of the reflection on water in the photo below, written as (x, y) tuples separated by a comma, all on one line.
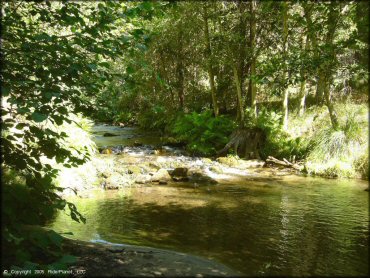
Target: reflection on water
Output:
[(287, 226), (123, 136)]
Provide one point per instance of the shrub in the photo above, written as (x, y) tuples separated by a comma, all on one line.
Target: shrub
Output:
[(343, 152), (278, 142), (155, 118), (203, 133)]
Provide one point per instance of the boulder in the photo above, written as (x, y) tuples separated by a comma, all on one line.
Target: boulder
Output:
[(116, 181), (161, 175), (229, 161), (201, 178), (180, 174), (137, 144), (206, 160), (133, 169), (216, 169), (106, 151), (117, 149), (155, 165), (142, 179), (241, 163)]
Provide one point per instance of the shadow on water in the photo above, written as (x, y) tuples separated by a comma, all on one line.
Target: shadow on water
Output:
[(123, 136), (281, 227)]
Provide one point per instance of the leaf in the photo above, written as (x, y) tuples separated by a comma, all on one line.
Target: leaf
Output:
[(5, 91), (38, 117), (20, 126), (92, 66), (104, 64)]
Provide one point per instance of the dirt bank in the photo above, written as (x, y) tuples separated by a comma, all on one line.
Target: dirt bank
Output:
[(99, 259)]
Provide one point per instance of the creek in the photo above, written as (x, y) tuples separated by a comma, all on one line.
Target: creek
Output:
[(256, 223)]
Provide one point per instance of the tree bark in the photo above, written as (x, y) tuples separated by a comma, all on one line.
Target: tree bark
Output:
[(180, 71), (285, 39), (328, 65), (329, 104), (312, 37), (252, 90), (239, 97), (209, 63), (302, 91)]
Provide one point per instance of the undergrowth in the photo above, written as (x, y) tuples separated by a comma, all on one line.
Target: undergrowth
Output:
[(203, 133), (336, 153)]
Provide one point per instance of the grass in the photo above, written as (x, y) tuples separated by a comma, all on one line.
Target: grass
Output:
[(334, 153)]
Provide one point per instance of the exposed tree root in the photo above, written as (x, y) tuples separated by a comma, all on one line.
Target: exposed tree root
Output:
[(246, 142)]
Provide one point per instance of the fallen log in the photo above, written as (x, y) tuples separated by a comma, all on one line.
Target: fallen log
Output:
[(284, 163)]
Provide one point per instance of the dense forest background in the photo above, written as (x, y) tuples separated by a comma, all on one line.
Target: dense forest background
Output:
[(199, 73)]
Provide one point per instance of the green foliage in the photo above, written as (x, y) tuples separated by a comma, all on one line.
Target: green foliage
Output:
[(278, 142), (203, 133), (343, 152), (155, 118), (56, 58), (21, 207)]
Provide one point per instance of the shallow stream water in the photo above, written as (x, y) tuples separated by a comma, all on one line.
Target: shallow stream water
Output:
[(259, 225)]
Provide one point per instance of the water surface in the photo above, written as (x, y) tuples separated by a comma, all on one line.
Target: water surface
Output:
[(259, 225), (262, 226)]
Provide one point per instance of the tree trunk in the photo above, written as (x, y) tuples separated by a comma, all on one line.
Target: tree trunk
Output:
[(328, 65), (285, 77), (209, 63), (239, 97), (180, 72), (319, 88), (329, 104), (312, 37), (252, 90), (242, 49), (302, 96), (302, 91)]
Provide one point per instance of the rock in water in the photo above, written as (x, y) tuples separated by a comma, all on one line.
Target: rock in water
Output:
[(161, 175), (133, 169), (108, 134), (137, 144), (106, 151), (180, 174), (142, 179)]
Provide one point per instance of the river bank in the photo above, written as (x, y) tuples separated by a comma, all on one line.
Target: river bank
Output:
[(121, 260)]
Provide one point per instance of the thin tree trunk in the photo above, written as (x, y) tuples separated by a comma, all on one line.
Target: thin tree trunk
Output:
[(312, 37), (209, 63), (319, 88), (252, 90), (239, 97), (302, 91), (180, 72), (302, 96), (329, 104), (327, 66), (285, 39)]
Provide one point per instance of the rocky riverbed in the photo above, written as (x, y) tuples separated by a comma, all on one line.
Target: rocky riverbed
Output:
[(126, 166)]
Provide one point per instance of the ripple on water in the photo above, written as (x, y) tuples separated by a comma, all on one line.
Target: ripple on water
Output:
[(258, 224)]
